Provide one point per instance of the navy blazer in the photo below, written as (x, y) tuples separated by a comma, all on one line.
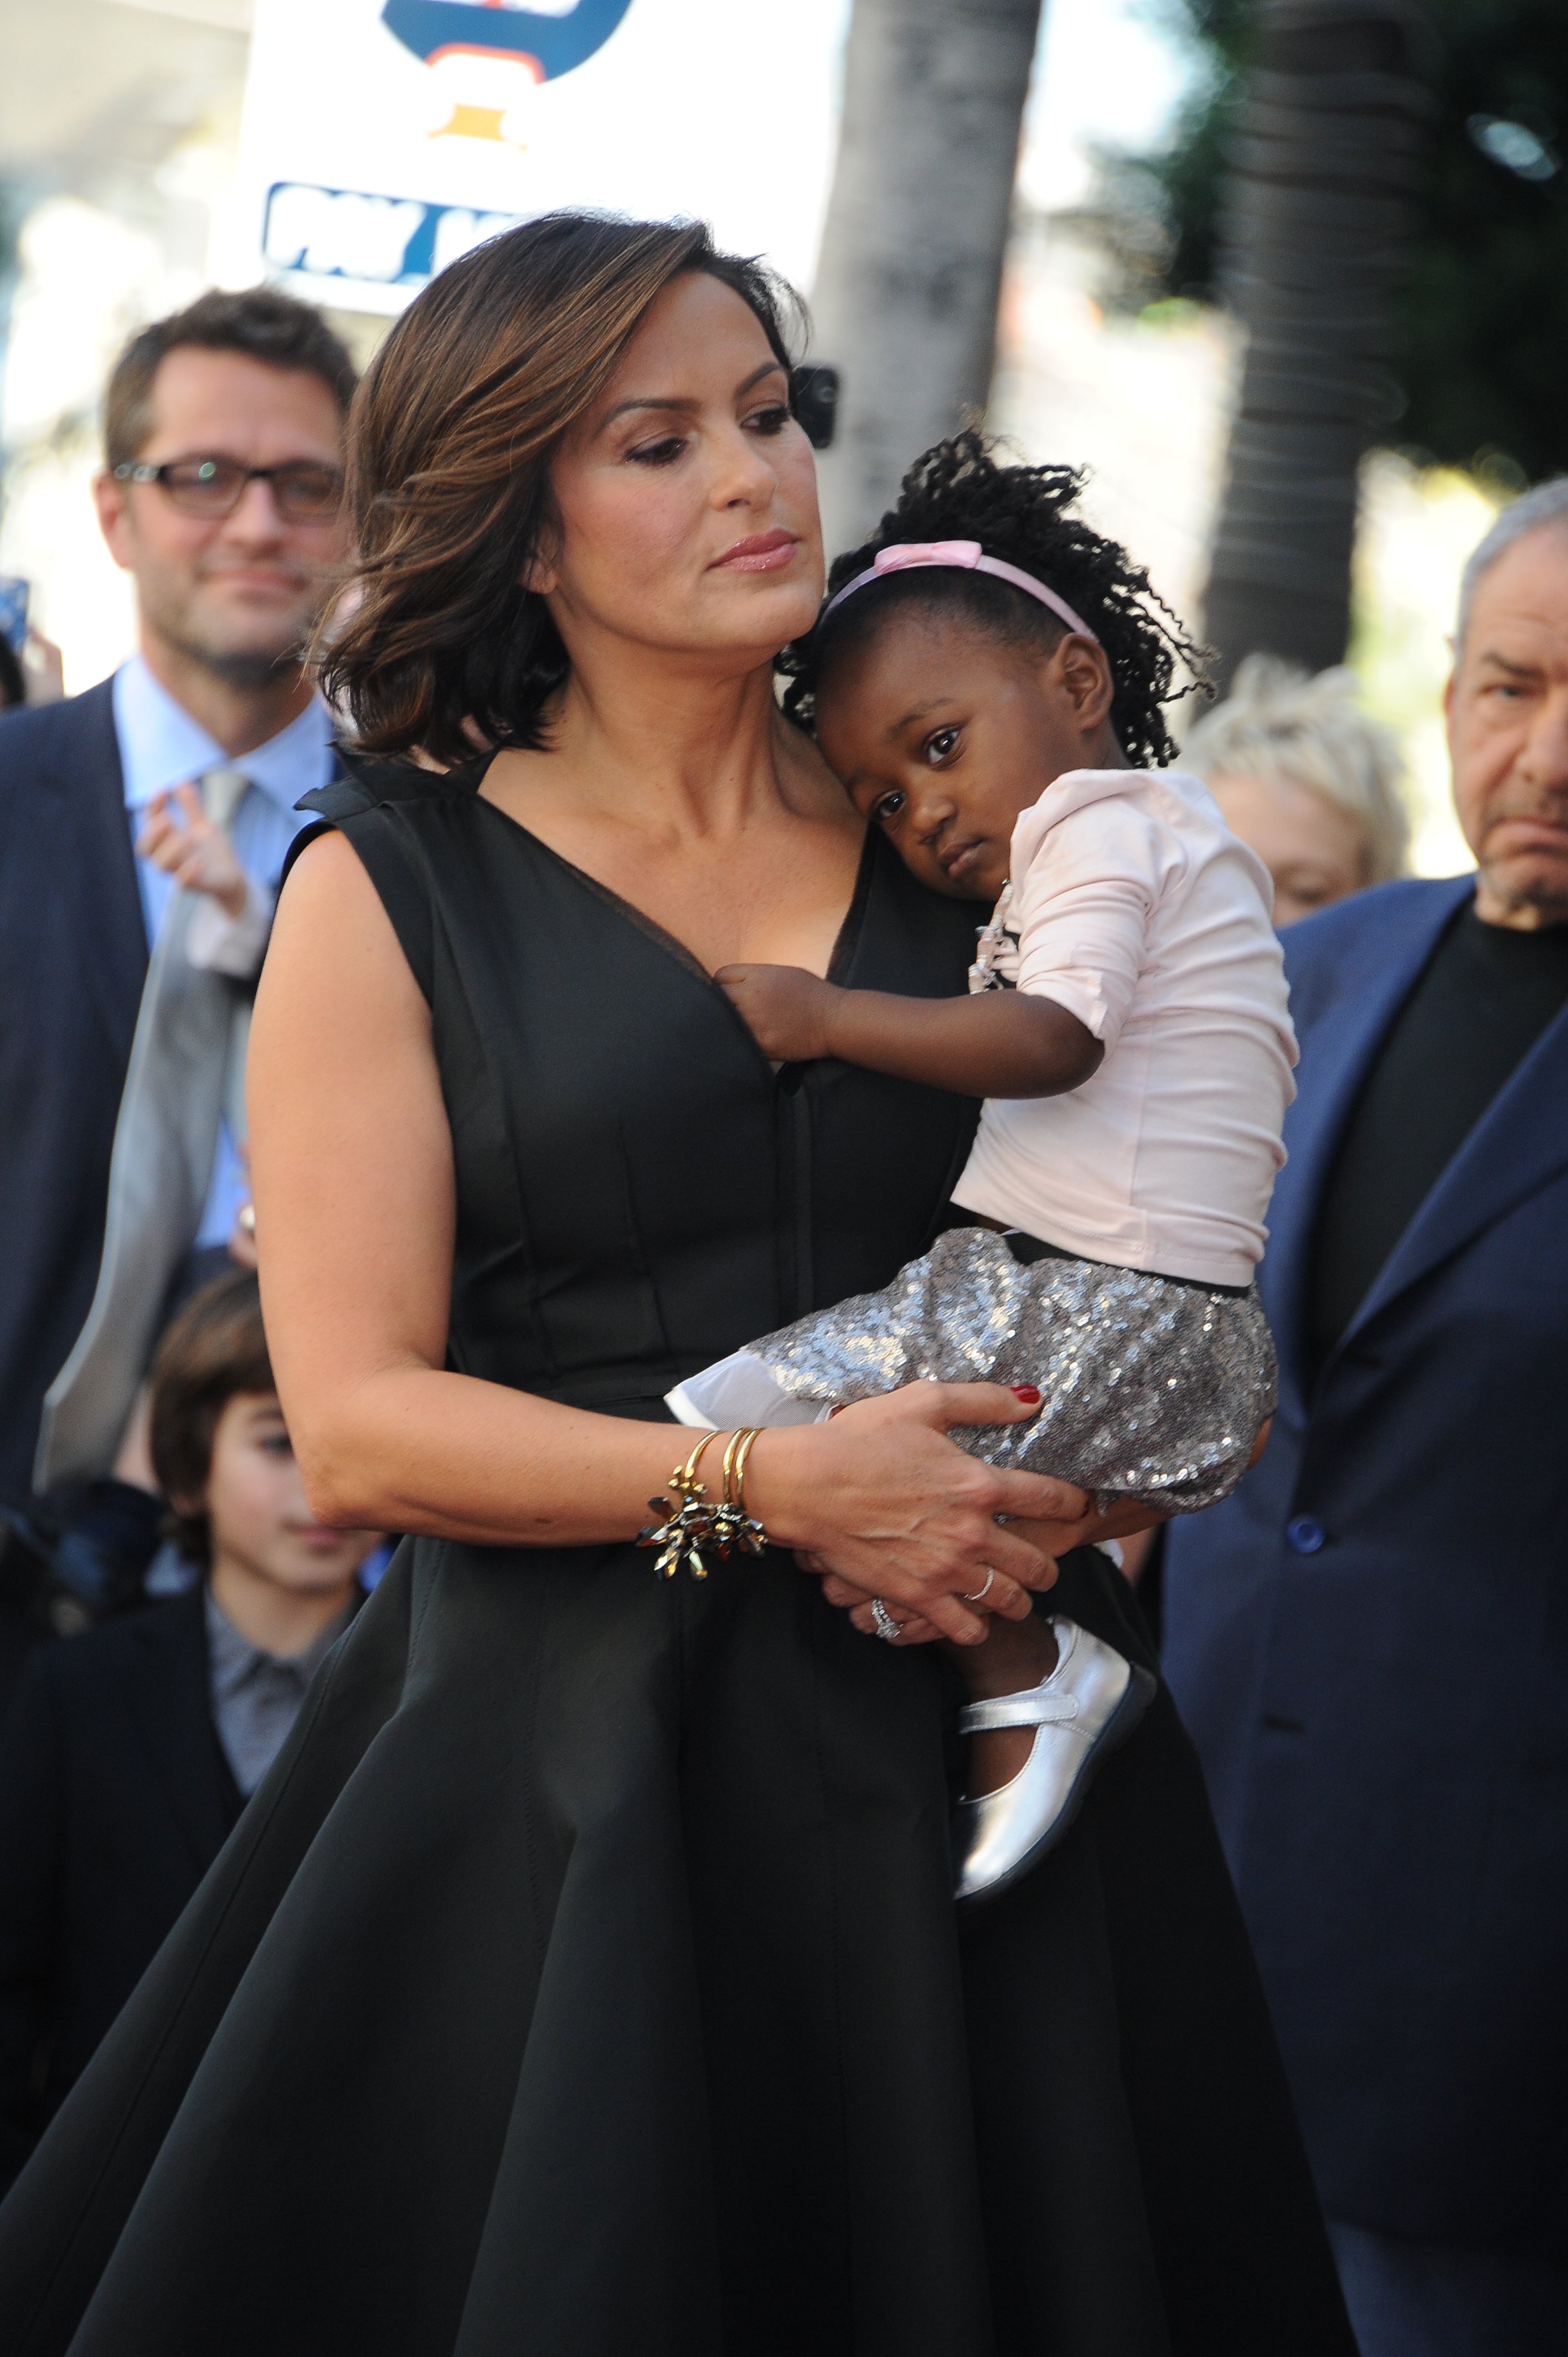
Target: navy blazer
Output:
[(73, 957), (1370, 1641)]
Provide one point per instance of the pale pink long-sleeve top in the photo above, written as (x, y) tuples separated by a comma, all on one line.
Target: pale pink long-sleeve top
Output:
[(1136, 909)]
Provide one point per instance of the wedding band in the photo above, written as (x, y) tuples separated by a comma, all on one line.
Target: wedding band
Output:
[(990, 1583), (886, 1627)]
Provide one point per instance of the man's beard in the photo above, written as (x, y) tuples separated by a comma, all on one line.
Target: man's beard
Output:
[(1525, 880), (1547, 895), (247, 669)]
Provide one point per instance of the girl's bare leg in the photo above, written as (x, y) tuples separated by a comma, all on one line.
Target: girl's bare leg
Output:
[(1016, 1655)]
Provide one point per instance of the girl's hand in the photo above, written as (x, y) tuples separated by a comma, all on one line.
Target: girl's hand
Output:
[(880, 1498), (786, 1009), (179, 838)]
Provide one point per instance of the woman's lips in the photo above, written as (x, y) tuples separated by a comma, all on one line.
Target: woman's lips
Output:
[(765, 552)]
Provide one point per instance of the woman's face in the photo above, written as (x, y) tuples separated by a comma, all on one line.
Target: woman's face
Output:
[(686, 502), (1315, 852)]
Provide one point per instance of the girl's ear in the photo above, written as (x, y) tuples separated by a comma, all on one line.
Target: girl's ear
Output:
[(1083, 669)]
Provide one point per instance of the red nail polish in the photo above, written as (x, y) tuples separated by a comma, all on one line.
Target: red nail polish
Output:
[(1028, 1392)]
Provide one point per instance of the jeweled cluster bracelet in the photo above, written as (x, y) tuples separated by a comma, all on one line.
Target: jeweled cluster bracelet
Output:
[(698, 1523)]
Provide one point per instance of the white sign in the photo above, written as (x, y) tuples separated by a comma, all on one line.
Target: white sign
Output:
[(382, 138)]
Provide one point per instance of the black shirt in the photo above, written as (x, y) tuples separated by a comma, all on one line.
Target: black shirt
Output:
[(1483, 999)]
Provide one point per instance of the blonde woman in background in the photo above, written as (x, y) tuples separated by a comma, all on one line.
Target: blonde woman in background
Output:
[(1313, 786), (1307, 779)]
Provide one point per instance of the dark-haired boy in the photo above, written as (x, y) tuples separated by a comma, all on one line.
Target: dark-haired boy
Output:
[(220, 496), (129, 1752)]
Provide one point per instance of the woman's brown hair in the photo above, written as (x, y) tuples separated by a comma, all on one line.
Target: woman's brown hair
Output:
[(450, 441), (215, 1349)]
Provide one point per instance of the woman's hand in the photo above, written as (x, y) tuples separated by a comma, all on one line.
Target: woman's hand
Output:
[(881, 1500), (1056, 1538)]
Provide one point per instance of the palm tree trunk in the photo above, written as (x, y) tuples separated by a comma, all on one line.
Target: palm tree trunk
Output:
[(905, 295), (1316, 223)]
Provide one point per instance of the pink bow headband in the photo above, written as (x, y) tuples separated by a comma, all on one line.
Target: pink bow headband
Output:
[(966, 556)]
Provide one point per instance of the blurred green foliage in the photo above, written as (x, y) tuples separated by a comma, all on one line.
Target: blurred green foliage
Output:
[(1480, 337)]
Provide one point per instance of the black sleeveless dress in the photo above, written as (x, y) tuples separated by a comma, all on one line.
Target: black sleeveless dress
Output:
[(585, 1980)]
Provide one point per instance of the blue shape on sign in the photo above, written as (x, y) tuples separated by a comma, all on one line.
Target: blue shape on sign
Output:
[(1305, 1535), (385, 241), (554, 43)]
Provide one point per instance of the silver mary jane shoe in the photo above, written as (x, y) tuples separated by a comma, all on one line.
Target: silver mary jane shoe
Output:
[(1090, 1702)]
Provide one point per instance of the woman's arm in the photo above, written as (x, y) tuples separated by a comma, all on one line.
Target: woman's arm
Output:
[(355, 1196), (994, 1043)]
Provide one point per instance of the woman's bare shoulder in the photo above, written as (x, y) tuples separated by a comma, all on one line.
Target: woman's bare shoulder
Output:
[(331, 863), (332, 931)]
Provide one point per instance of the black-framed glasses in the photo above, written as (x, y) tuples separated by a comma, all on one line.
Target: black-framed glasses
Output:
[(302, 491)]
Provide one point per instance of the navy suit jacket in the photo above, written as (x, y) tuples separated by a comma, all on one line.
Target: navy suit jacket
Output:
[(73, 957), (1370, 1641)]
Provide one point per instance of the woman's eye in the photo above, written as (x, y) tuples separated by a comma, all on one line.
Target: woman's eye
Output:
[(771, 420), (658, 454), (277, 1444), (938, 746), (886, 808)]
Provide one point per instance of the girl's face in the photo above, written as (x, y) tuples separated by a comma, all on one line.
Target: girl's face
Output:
[(686, 502), (944, 734)]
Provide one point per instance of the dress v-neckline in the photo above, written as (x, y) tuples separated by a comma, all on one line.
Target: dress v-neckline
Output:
[(844, 941)]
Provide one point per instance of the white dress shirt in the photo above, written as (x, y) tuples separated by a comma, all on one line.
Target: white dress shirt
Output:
[(1136, 909), (161, 747)]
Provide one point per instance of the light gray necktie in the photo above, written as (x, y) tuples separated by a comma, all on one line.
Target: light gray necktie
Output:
[(186, 1073)]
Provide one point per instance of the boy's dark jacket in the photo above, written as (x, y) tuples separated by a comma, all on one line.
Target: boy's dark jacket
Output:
[(114, 1800)]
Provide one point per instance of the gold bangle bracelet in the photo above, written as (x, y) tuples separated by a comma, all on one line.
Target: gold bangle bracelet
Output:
[(738, 1529), (743, 1444)]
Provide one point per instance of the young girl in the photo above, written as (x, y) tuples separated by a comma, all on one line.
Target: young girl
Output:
[(987, 677)]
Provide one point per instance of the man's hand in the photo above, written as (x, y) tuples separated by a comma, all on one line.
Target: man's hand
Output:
[(181, 840), (786, 1010)]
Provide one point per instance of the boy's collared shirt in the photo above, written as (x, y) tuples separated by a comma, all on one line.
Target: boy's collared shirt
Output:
[(257, 1694)]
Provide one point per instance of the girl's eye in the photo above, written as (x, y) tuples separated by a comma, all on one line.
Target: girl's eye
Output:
[(886, 808), (658, 454), (277, 1444), (940, 744)]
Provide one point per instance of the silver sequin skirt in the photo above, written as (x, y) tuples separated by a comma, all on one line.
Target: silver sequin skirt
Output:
[(1152, 1389)]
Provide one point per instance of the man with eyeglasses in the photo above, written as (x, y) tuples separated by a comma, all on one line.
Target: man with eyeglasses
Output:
[(160, 803)]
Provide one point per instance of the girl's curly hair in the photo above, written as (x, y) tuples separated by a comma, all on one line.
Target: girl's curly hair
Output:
[(1024, 515)]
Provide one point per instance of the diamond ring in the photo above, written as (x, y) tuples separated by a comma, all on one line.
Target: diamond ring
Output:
[(886, 1627)]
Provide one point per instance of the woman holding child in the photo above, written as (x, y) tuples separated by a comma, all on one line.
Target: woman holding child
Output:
[(586, 1979)]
